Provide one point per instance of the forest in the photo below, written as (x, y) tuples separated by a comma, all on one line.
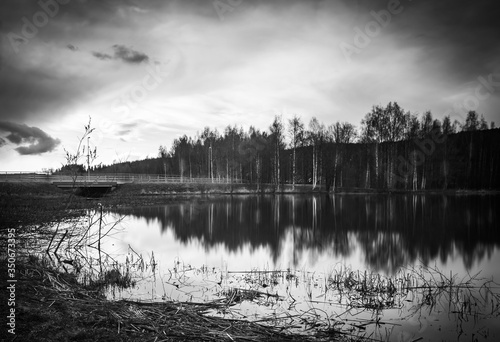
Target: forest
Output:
[(391, 149)]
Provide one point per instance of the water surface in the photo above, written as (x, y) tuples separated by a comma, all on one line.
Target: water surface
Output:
[(316, 235), (381, 233)]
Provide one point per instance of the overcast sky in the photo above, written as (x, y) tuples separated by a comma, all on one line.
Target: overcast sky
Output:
[(150, 71)]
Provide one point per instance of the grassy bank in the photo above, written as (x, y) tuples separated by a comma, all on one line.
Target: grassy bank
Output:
[(24, 204), (54, 306), (187, 189), (207, 188)]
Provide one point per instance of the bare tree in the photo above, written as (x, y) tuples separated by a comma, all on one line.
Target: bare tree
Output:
[(72, 163), (316, 137), (73, 159), (383, 124), (277, 136), (296, 131), (340, 133)]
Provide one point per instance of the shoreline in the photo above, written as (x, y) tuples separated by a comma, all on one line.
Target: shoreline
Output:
[(34, 190), (24, 204), (267, 189)]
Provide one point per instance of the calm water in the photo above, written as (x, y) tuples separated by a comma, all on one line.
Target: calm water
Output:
[(314, 234)]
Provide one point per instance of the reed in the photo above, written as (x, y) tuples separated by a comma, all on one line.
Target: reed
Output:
[(89, 313)]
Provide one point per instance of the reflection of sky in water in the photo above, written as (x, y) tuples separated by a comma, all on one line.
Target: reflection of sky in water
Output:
[(456, 234), (381, 233)]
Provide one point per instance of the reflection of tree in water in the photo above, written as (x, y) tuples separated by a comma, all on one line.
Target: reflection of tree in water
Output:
[(392, 230), (406, 228)]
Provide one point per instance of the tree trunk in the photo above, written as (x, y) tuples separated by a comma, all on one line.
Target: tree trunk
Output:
[(423, 181), (469, 166), (445, 165), (367, 179), (257, 170), (335, 168), (314, 180), (278, 164), (376, 166), (293, 168)]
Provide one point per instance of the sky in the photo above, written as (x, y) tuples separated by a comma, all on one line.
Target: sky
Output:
[(147, 72)]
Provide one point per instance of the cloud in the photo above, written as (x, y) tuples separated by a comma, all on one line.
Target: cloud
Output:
[(101, 56), (123, 53), (128, 55), (37, 141), (129, 125), (37, 86), (458, 37), (124, 132), (72, 47)]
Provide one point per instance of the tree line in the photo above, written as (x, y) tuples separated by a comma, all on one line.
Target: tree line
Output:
[(391, 149)]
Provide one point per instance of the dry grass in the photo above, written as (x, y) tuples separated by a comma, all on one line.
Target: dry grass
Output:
[(54, 306)]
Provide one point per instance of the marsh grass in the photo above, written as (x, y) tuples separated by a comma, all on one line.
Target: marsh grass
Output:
[(109, 279), (79, 313), (351, 302)]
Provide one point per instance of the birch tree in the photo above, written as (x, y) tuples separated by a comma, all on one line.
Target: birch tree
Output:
[(340, 133), (296, 131), (316, 137), (277, 138)]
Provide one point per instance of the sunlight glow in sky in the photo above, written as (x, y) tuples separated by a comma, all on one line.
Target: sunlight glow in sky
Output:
[(148, 72)]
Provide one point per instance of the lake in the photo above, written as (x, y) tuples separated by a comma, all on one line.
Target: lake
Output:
[(309, 247)]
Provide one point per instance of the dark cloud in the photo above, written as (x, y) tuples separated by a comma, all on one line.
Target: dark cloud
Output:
[(72, 47), (460, 35), (123, 53), (45, 91), (101, 56), (37, 141), (128, 55), (454, 40)]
